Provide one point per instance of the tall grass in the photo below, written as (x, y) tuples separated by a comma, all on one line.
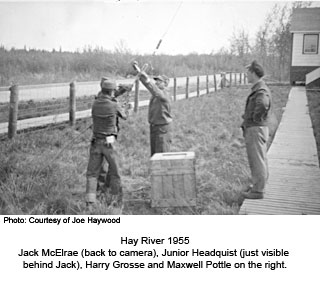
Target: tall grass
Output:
[(43, 172), (314, 109)]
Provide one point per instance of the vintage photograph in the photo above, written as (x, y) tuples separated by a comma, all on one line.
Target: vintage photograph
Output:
[(159, 108)]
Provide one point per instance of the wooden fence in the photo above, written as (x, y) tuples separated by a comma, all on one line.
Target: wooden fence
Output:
[(192, 87)]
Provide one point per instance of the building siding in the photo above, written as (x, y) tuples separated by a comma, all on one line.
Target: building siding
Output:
[(300, 59)]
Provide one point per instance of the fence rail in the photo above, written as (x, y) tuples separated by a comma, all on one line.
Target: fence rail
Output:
[(24, 107)]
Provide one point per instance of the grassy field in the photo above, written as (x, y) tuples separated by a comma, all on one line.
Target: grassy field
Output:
[(43, 172)]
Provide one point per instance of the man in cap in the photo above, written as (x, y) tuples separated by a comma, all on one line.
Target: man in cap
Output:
[(105, 113), (256, 131), (103, 180), (159, 114), (121, 88)]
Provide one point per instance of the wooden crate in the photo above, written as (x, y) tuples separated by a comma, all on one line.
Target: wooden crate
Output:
[(173, 179)]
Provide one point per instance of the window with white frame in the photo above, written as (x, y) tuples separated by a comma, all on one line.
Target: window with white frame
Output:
[(310, 43)]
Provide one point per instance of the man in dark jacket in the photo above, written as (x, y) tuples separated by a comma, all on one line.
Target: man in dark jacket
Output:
[(159, 115), (105, 113), (103, 180), (256, 131)]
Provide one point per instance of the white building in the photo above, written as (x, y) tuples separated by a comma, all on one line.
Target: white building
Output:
[(305, 29)]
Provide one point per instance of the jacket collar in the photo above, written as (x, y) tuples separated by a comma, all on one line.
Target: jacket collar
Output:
[(259, 84), (102, 96)]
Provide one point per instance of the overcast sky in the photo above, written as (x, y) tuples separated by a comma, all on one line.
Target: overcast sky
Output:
[(199, 26)]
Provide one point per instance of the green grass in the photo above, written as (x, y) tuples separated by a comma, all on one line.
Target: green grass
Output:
[(43, 172)]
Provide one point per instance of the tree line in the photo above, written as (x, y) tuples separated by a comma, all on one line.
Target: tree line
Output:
[(271, 47)]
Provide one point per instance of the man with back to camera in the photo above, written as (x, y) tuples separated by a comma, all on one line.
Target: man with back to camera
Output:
[(105, 113), (103, 179), (256, 131), (159, 114)]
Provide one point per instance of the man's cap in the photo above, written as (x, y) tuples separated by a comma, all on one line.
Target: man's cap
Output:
[(162, 78), (109, 84), (256, 68), (104, 78)]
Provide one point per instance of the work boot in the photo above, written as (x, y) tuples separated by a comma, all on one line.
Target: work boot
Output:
[(249, 188), (253, 195), (116, 202), (116, 205), (104, 195), (91, 193)]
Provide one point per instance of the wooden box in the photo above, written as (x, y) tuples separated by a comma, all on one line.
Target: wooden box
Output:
[(173, 179)]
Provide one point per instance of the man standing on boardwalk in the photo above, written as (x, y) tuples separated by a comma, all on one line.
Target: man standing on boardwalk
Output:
[(256, 131), (159, 115)]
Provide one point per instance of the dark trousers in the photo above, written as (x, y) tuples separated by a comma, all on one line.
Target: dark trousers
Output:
[(256, 139), (160, 138), (98, 151)]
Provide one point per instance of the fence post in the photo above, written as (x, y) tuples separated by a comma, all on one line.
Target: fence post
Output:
[(207, 83), (13, 111), (72, 104), (198, 86), (215, 82), (174, 89), (187, 87), (230, 79), (136, 96), (240, 78)]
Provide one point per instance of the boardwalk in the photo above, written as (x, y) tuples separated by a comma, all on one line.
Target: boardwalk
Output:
[(294, 181)]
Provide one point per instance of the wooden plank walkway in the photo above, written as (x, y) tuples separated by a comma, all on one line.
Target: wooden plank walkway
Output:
[(294, 180)]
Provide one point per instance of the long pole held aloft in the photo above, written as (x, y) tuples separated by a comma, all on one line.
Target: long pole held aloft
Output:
[(165, 33), (160, 41)]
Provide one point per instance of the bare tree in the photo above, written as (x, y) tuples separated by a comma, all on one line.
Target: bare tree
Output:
[(240, 45), (273, 40), (122, 56), (261, 46), (122, 47)]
